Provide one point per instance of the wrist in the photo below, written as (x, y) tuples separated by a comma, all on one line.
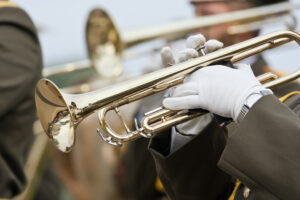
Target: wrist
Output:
[(250, 100)]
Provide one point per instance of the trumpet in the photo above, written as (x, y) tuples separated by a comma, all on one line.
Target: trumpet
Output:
[(106, 44), (61, 113)]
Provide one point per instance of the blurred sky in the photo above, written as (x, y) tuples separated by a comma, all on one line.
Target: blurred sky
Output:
[(62, 24)]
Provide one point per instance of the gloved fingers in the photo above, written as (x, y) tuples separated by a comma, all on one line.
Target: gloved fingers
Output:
[(244, 67), (212, 45), (195, 41), (182, 103), (167, 57), (185, 89), (187, 54)]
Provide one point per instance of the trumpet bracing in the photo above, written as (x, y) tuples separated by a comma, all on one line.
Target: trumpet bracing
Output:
[(61, 113)]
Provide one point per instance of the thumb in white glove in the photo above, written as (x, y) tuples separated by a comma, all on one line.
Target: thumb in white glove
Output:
[(218, 89)]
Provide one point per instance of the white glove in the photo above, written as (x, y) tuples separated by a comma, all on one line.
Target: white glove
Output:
[(218, 89), (167, 57), (194, 43)]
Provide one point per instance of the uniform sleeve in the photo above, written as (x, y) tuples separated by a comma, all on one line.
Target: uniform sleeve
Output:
[(191, 172), (19, 56), (263, 152)]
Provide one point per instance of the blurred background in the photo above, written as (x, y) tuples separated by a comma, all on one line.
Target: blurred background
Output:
[(94, 169), (62, 26)]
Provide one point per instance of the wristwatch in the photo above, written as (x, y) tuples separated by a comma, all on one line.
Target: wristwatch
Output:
[(250, 101)]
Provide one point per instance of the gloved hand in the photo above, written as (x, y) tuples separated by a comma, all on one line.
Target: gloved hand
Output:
[(194, 44), (218, 89)]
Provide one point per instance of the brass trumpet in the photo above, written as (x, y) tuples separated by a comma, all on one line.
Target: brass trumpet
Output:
[(61, 113), (106, 44)]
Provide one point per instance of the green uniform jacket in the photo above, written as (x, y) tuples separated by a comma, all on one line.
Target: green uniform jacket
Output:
[(262, 152), (20, 69), (140, 176)]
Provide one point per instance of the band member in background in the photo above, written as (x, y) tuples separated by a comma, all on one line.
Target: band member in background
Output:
[(20, 69), (219, 32)]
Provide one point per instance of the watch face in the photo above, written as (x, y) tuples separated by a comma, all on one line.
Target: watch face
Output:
[(104, 44)]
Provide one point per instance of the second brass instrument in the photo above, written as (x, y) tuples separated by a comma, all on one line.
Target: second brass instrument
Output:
[(106, 44), (61, 113)]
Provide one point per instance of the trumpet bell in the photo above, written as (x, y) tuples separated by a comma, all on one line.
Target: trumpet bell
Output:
[(104, 44), (55, 115)]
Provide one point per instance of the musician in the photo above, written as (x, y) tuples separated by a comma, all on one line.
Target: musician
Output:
[(259, 149), (137, 158), (20, 69)]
